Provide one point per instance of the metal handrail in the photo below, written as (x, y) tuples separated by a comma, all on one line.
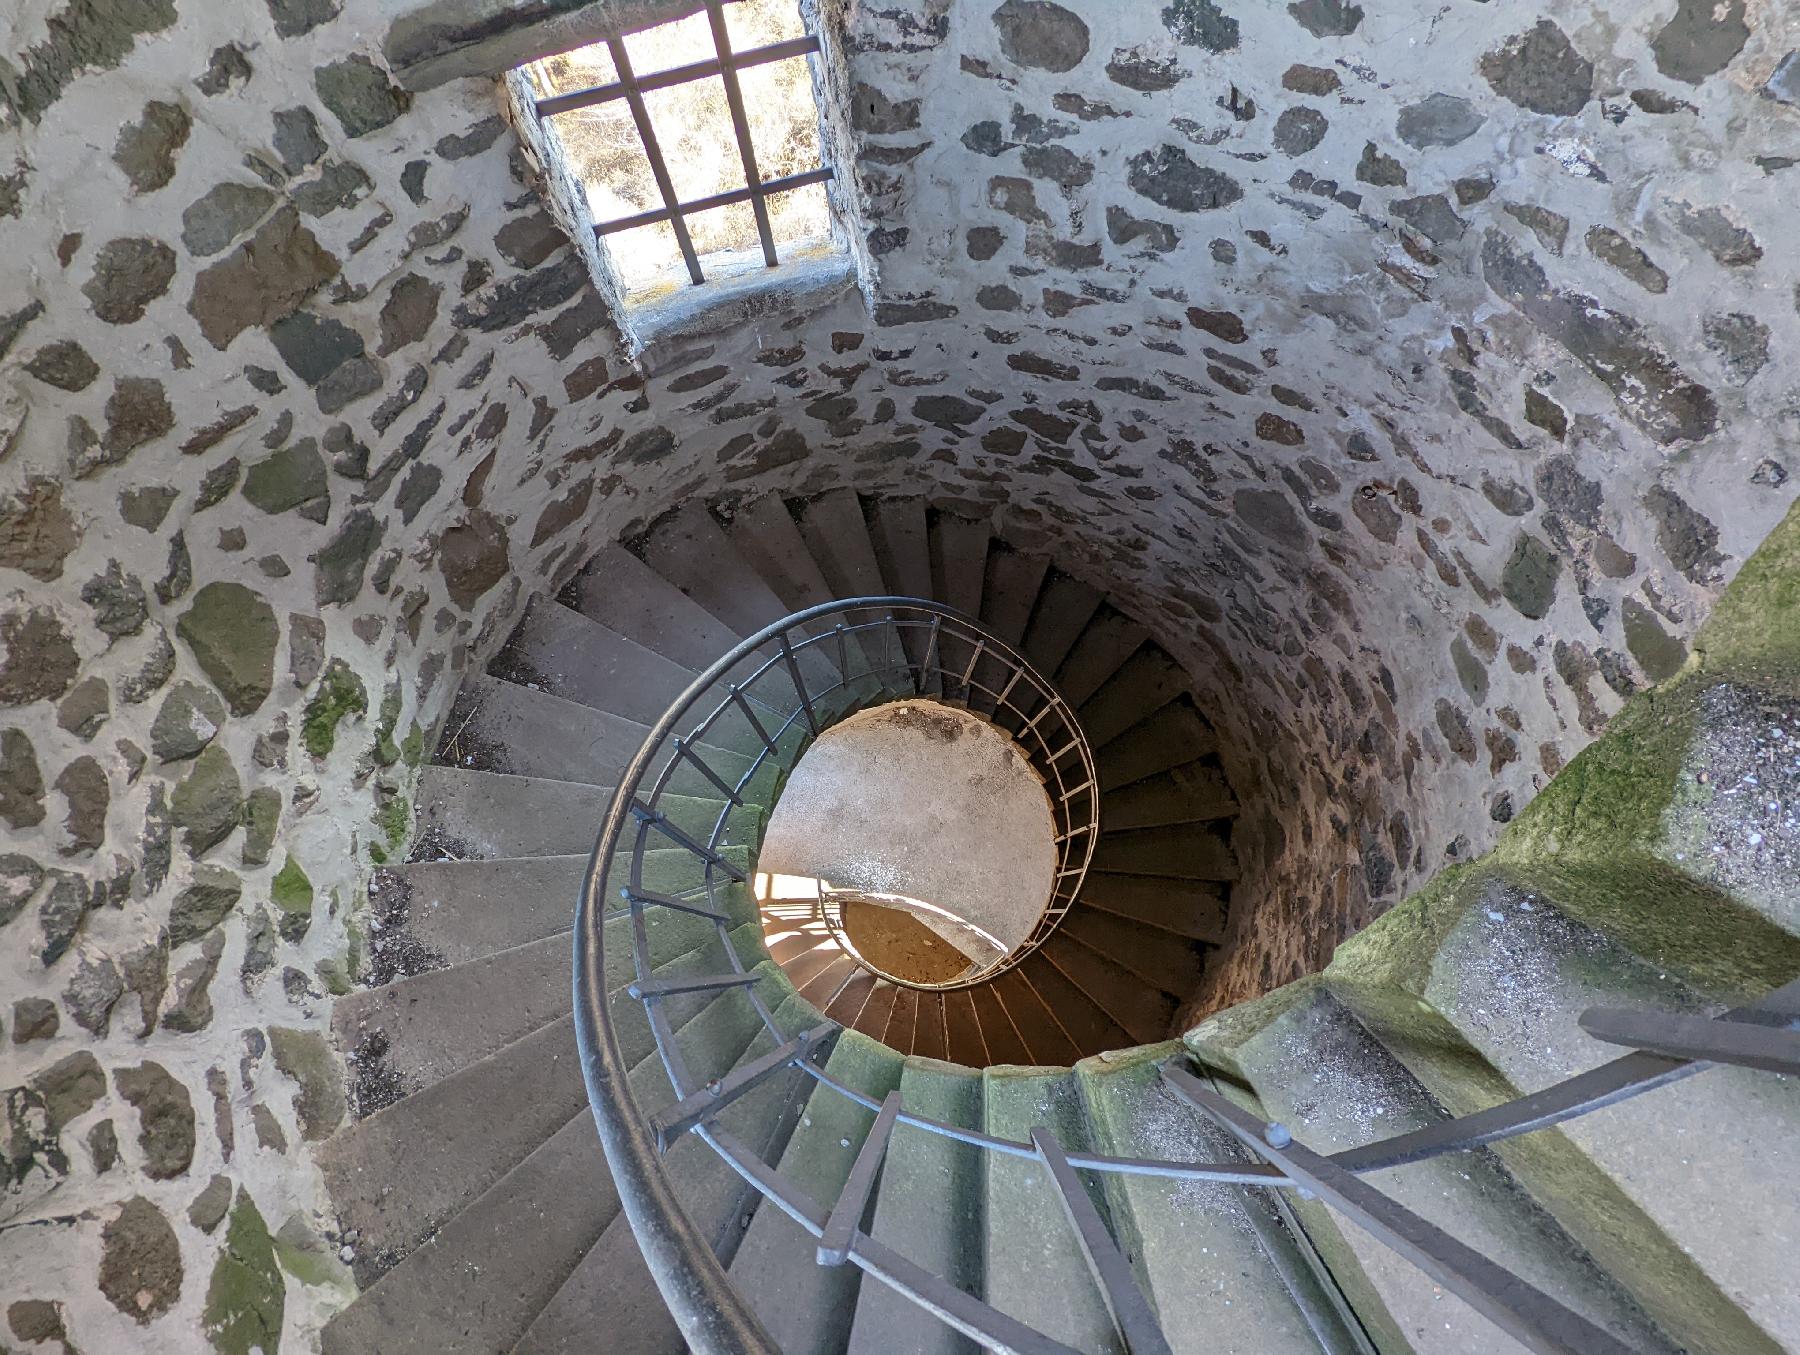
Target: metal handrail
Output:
[(714, 1317)]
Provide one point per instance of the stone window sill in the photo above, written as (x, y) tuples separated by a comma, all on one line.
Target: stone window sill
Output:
[(662, 329)]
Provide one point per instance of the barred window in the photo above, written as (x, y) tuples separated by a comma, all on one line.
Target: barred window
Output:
[(697, 144)]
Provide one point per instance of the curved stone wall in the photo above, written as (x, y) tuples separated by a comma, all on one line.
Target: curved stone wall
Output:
[(1420, 375)]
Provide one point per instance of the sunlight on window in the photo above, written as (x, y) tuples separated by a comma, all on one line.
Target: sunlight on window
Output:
[(692, 123)]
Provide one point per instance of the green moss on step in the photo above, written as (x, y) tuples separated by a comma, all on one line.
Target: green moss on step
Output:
[(340, 693), (246, 1297), (1755, 626)]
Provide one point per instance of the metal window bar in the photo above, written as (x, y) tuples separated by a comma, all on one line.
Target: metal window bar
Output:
[(726, 64)]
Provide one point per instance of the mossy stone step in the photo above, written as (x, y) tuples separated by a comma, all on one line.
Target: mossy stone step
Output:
[(1315, 1068), (477, 814), (928, 1208), (1477, 984), (1194, 1245), (1033, 1264), (806, 1307)]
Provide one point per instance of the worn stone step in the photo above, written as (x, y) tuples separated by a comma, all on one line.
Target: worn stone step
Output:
[(1108, 641), (1064, 607), (767, 537), (412, 1032), (808, 1308), (572, 657), (479, 815), (1477, 986), (999, 1036), (1236, 1300), (1032, 1262), (1191, 793), (502, 726), (1188, 851), (1047, 1042), (959, 547), (475, 1287), (1318, 1070), (458, 911), (1142, 1010), (1147, 681), (1086, 1021), (1192, 908), (689, 549), (610, 1291), (837, 535), (1162, 739), (621, 592), (902, 543), (928, 1208), (1166, 963)]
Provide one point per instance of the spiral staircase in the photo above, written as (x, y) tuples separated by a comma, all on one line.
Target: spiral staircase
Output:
[(934, 1139)]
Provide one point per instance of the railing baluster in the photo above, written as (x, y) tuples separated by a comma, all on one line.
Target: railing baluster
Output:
[(685, 750), (647, 898), (652, 818), (1124, 1300), (931, 649), (673, 1121), (1524, 1312), (843, 648), (1747, 1044), (755, 723), (697, 983), (793, 667), (853, 1199)]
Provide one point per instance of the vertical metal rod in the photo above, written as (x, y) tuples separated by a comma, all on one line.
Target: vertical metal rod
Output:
[(843, 649), (793, 667), (740, 125), (1524, 1312), (653, 152), (853, 1199), (1124, 1300), (755, 723), (682, 750)]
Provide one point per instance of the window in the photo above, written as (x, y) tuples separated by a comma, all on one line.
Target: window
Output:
[(696, 144)]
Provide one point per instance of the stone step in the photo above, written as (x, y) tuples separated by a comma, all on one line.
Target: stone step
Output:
[(581, 660), (959, 547), (1236, 1300), (459, 911), (902, 543), (903, 1021), (481, 815), (624, 594), (424, 1303), (397, 1175), (1191, 908), (1121, 994), (1318, 1070), (1064, 607), (689, 549), (1108, 641), (412, 1032), (1477, 987), (1047, 1043), (1147, 681), (1032, 1261), (1148, 952), (502, 726), (1189, 851), (962, 1030), (928, 1208), (930, 1037), (768, 539), (824, 985), (1086, 1022), (847, 1006), (1191, 793), (1008, 593), (1162, 739), (610, 1291), (837, 535), (878, 1010), (808, 1308), (1001, 1038)]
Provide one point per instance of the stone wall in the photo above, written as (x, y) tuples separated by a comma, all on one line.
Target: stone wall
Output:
[(1418, 374)]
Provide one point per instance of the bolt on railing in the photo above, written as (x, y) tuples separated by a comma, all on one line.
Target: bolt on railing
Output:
[(808, 656)]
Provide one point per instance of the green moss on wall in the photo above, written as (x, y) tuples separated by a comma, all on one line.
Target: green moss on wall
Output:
[(340, 693)]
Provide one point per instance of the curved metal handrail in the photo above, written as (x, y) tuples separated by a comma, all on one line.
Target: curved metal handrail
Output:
[(714, 1317)]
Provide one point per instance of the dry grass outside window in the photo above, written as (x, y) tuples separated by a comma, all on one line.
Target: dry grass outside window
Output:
[(693, 127)]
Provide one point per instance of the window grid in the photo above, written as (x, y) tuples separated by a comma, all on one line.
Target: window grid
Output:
[(726, 64)]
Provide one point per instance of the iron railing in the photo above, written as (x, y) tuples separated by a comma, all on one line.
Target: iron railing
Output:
[(850, 661)]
